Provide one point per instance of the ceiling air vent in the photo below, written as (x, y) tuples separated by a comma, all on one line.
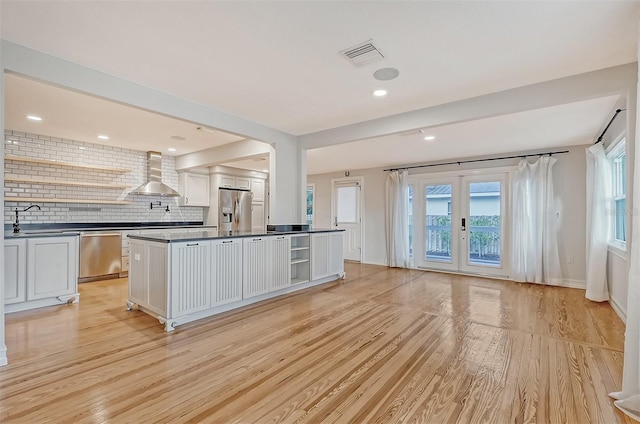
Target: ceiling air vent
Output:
[(363, 53)]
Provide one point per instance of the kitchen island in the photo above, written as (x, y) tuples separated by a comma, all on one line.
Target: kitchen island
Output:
[(183, 277)]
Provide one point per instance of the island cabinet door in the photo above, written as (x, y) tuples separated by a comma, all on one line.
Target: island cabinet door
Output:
[(52, 267), (226, 271), (336, 253), (190, 283), (257, 275), (319, 256), (281, 261), (15, 270)]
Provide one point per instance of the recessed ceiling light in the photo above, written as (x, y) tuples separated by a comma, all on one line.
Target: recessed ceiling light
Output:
[(386, 74), (34, 118), (103, 137), (171, 149), (380, 93), (430, 137)]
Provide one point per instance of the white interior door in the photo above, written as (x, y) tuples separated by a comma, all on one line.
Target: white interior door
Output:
[(347, 215), (457, 223)]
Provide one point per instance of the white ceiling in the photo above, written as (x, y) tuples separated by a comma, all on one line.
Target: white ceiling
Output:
[(277, 63)]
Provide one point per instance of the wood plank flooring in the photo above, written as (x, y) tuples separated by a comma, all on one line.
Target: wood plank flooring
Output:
[(384, 346)]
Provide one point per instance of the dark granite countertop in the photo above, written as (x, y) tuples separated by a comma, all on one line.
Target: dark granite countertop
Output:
[(70, 229), (212, 235)]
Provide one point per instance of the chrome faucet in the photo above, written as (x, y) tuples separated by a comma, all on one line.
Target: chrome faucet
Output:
[(16, 225)]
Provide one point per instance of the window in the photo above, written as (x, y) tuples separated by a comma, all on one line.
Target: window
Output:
[(618, 158), (310, 201)]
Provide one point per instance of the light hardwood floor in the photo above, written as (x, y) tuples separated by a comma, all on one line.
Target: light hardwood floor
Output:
[(385, 345)]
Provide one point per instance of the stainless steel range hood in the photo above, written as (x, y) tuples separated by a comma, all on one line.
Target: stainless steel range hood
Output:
[(154, 185)]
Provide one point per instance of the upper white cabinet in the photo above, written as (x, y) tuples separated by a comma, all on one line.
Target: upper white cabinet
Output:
[(40, 271), (194, 189), (257, 188), (227, 181)]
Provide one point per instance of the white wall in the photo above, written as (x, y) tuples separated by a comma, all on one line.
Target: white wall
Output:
[(374, 249), (570, 191), (39, 146)]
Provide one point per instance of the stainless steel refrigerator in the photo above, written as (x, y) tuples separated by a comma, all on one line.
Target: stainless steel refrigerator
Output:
[(234, 213)]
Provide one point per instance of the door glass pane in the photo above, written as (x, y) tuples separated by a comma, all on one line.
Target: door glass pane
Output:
[(438, 222), (484, 223), (410, 220), (347, 204)]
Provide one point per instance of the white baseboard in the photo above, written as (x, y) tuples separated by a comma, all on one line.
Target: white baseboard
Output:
[(3, 357), (371, 261), (574, 284), (619, 310)]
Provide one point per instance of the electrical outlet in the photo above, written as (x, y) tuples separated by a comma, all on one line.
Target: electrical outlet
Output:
[(136, 257)]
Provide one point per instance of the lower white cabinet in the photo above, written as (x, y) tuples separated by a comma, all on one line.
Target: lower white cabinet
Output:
[(326, 254), (40, 271), (190, 276), (226, 271), (15, 271), (266, 264)]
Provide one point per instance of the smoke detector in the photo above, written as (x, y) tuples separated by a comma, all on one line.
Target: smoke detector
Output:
[(363, 53)]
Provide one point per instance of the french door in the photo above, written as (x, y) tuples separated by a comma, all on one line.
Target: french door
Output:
[(458, 223)]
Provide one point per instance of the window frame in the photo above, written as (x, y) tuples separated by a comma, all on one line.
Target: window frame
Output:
[(618, 183)]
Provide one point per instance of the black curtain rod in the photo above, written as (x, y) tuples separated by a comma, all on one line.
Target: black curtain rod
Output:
[(608, 125), (460, 162)]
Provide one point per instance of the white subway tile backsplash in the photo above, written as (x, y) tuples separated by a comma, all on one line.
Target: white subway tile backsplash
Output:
[(45, 147)]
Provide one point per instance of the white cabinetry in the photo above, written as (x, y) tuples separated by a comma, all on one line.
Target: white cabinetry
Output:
[(15, 271), (326, 254), (257, 188), (266, 265), (257, 217), (194, 189), (40, 271), (226, 271), (227, 181), (190, 276)]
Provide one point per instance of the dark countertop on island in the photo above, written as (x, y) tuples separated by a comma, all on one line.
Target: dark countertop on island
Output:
[(212, 235)]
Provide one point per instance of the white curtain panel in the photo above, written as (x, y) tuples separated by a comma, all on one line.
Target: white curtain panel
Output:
[(598, 228), (535, 256), (397, 219)]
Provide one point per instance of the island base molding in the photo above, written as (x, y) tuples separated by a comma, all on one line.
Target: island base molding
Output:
[(171, 324), (41, 303)]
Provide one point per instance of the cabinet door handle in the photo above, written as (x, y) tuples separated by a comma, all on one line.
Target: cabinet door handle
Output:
[(257, 239), (281, 238), (192, 244), (228, 241), (186, 200)]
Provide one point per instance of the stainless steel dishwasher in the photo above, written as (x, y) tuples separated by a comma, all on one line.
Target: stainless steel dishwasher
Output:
[(100, 255)]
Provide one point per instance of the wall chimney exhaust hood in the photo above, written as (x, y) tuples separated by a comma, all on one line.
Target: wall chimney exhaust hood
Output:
[(154, 185)]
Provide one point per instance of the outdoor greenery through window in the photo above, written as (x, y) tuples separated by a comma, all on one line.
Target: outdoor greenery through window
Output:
[(618, 159), (310, 194)]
